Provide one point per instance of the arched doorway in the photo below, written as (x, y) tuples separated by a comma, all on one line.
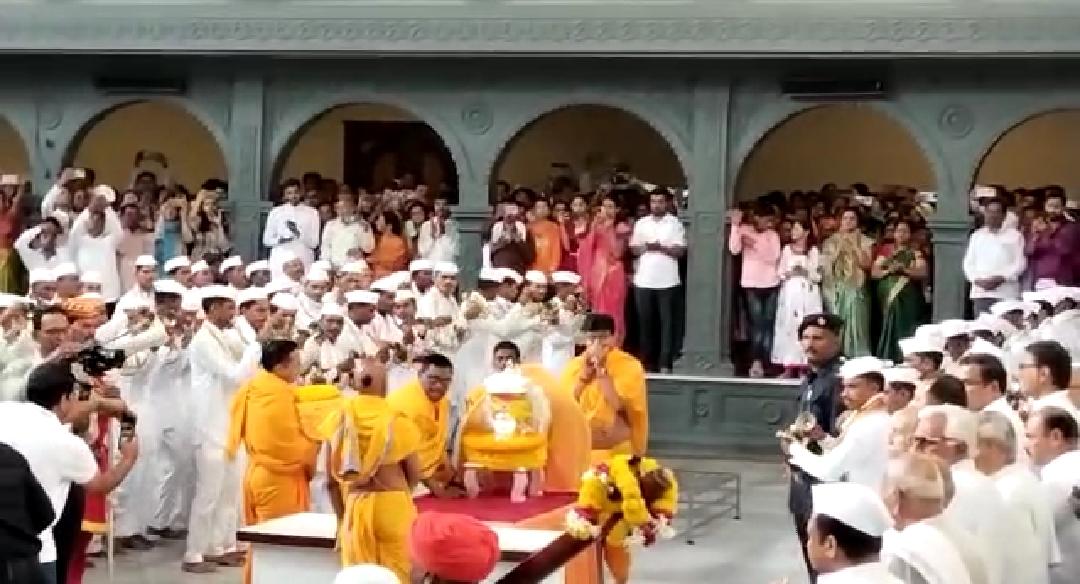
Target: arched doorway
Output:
[(369, 146), (810, 167), (586, 144), (111, 143), (13, 157), (1038, 151)]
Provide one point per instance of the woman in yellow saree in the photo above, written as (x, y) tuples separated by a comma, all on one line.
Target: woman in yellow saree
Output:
[(899, 270)]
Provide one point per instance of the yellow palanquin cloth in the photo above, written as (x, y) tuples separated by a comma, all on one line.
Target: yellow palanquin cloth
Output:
[(569, 440), (316, 403), (364, 434), (432, 419), (628, 377), (516, 398)]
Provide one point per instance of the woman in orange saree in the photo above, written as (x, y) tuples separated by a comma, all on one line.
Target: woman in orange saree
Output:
[(547, 238), (391, 253), (600, 264)]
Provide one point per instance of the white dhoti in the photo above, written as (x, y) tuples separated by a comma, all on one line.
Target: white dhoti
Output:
[(215, 510)]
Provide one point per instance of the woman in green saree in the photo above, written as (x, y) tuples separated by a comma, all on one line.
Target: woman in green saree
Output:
[(845, 259), (900, 270)]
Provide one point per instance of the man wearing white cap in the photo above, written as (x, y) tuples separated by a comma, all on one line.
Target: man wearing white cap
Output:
[(422, 275), (846, 533), (957, 336), (134, 243), (994, 259), (292, 229), (258, 273), (328, 349), (923, 547), (439, 309), (201, 274), (1019, 487), (42, 288), (291, 271), (531, 341), (254, 310), (354, 275), (67, 281), (179, 269), (359, 317), (558, 346), (316, 284), (90, 282), (281, 323), (220, 362), (860, 453), (347, 237), (232, 270), (142, 289), (950, 433)]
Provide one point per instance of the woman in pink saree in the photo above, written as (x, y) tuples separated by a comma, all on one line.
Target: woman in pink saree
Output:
[(601, 267)]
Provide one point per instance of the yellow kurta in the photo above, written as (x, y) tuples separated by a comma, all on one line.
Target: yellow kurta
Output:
[(365, 433), (432, 419), (281, 459), (628, 376)]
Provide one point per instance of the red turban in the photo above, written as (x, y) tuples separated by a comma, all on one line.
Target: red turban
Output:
[(453, 546)]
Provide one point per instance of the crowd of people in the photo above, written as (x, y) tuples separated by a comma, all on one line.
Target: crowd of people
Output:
[(959, 464), (145, 365)]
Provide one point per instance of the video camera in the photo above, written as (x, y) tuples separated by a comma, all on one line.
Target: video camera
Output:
[(96, 360)]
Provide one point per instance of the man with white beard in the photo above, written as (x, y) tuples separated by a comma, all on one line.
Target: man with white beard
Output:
[(1052, 440), (220, 362), (950, 433), (919, 549), (1021, 490)]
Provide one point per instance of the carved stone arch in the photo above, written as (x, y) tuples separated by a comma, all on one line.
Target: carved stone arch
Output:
[(298, 117), (77, 129), (763, 122), (1047, 106), (662, 122)]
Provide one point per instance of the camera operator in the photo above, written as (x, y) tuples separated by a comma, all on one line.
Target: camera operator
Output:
[(40, 430), (49, 327)]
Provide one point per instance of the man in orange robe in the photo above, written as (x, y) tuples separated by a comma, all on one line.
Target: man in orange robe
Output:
[(609, 385), (424, 402), (281, 458), (374, 466)]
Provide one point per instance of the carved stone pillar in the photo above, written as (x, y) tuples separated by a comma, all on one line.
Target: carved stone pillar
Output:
[(703, 343), (245, 157), (471, 214), (950, 238)]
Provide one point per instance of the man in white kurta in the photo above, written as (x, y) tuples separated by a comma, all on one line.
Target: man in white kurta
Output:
[(440, 309), (347, 237), (845, 535), (1052, 440), (1020, 489), (328, 349), (291, 227), (950, 433), (315, 285), (861, 452), (1046, 377), (220, 363), (985, 382), (558, 344), (918, 549)]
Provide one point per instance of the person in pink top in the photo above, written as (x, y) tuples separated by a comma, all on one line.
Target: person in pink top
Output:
[(759, 245)]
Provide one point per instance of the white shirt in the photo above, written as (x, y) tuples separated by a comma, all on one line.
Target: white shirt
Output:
[(435, 304), (220, 362), (979, 509), (656, 269), (98, 253), (339, 238), (1022, 492), (868, 573), (34, 258), (923, 553), (303, 245), (999, 253), (860, 456), (57, 457), (443, 248), (1057, 399), (1059, 477)]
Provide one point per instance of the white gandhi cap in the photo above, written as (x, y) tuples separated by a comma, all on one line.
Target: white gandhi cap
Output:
[(855, 505), (860, 366)]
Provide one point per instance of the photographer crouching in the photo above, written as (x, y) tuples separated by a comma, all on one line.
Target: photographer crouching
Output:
[(61, 430)]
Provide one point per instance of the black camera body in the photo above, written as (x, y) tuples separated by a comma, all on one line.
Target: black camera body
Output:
[(96, 360)]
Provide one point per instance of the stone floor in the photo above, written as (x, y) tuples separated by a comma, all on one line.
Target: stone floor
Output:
[(760, 548)]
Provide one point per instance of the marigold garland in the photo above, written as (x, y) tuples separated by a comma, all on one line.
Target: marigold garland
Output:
[(615, 487)]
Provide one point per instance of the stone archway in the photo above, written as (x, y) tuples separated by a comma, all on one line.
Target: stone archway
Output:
[(13, 156), (110, 141), (1038, 151), (368, 145), (840, 144), (585, 142)]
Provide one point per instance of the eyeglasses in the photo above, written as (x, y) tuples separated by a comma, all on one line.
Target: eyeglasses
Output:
[(923, 441)]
